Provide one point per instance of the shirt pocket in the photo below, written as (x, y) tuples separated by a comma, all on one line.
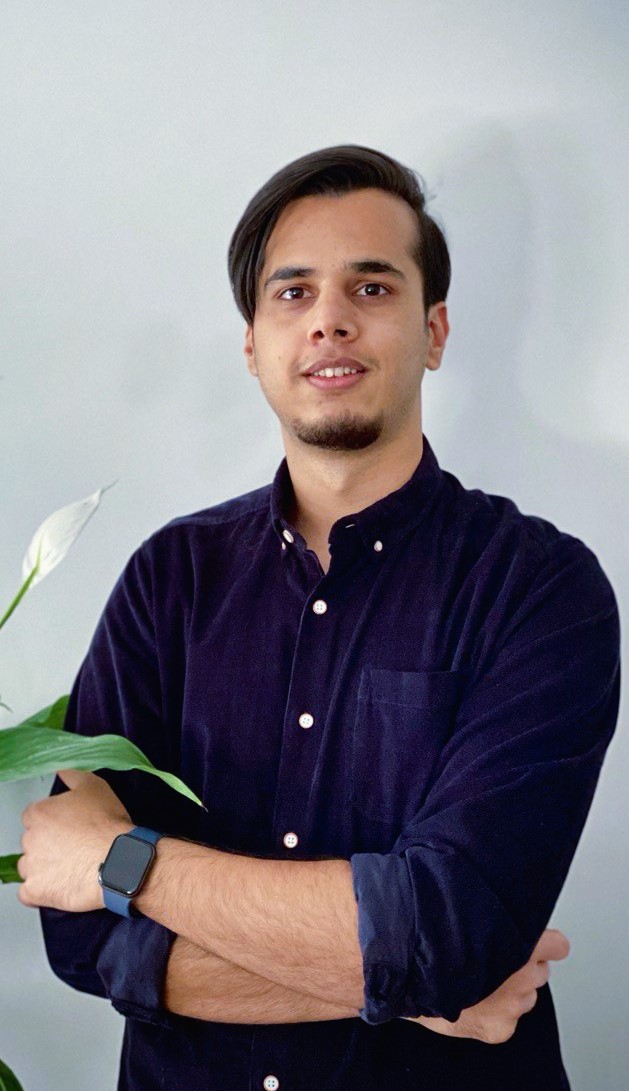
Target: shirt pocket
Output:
[(402, 721)]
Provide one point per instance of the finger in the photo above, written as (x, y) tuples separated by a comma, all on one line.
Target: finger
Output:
[(528, 1002), (552, 944), (541, 974), (73, 778), (23, 897), (531, 976)]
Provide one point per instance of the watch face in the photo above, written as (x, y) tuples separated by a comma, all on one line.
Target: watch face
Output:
[(127, 863)]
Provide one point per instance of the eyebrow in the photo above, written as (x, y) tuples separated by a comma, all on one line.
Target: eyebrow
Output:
[(367, 265)]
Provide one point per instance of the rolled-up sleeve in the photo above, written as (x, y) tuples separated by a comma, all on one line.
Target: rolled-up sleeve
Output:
[(459, 903), (121, 960), (117, 691)]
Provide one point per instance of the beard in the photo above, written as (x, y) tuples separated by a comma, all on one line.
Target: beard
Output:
[(346, 432)]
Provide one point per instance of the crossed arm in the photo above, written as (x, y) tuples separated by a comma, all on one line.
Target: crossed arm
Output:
[(280, 931), (292, 922), (202, 985), (257, 940)]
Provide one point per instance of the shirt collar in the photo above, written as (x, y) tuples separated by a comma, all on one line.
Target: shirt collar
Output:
[(385, 521)]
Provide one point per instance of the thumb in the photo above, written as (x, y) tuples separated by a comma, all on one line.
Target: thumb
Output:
[(553, 945), (73, 778)]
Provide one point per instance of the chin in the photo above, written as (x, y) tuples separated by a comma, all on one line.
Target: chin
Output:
[(345, 433)]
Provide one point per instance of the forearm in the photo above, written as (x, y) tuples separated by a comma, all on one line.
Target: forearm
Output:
[(294, 923), (202, 985)]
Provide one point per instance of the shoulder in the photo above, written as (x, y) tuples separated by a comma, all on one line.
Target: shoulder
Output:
[(524, 548), (227, 511), (213, 524), (175, 553)]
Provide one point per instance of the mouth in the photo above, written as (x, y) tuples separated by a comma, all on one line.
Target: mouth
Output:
[(335, 374), (335, 381)]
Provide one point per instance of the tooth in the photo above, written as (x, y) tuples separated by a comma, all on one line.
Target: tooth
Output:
[(337, 372)]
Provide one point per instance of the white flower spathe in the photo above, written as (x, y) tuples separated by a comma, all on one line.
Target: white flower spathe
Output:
[(56, 534)]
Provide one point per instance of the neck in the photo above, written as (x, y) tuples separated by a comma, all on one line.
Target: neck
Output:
[(330, 484)]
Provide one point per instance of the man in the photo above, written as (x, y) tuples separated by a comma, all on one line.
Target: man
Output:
[(393, 695)]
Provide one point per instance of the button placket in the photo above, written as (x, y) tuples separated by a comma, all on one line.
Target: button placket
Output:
[(299, 752)]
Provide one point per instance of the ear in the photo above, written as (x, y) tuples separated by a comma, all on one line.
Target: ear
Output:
[(438, 330), (250, 351)]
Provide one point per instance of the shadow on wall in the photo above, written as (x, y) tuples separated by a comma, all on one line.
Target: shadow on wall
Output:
[(529, 248)]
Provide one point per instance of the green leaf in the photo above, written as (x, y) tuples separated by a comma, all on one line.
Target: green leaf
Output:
[(51, 717), (8, 1080), (27, 751), (8, 868)]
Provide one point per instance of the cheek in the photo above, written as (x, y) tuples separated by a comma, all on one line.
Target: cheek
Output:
[(276, 366), (272, 384)]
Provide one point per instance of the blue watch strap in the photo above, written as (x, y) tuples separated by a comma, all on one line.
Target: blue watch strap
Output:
[(118, 903), (122, 903), (145, 834)]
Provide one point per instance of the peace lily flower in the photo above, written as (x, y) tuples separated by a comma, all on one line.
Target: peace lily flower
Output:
[(51, 541)]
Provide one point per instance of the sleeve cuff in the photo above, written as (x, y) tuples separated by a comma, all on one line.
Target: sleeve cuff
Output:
[(386, 928), (132, 965)]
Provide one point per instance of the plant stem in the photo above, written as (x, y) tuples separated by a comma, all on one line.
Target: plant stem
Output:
[(20, 595)]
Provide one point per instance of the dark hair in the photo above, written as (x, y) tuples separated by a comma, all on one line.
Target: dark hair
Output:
[(334, 171)]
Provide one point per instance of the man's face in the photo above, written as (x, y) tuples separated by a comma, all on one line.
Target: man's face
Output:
[(331, 311)]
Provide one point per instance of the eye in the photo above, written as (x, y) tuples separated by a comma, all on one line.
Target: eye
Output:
[(299, 288), (375, 285), (295, 288)]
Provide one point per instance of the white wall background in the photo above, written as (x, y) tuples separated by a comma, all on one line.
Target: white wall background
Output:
[(133, 135)]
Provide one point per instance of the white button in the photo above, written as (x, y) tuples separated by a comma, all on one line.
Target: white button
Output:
[(289, 538), (319, 606), (306, 720), (377, 546), (271, 1083), (283, 545), (290, 840)]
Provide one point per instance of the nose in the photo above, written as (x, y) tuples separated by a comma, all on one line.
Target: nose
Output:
[(331, 317)]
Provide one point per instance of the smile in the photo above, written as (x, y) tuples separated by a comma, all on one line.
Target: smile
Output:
[(328, 372), (335, 378)]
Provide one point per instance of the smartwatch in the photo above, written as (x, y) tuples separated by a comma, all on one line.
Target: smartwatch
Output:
[(123, 873)]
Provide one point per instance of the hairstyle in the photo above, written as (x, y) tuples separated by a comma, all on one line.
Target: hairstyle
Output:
[(335, 171)]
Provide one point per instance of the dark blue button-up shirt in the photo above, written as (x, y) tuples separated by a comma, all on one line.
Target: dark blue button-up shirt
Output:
[(459, 668)]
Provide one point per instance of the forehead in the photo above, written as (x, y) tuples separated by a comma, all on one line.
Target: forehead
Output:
[(326, 229)]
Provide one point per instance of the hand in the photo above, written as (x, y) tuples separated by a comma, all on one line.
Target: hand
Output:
[(494, 1019), (65, 839)]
